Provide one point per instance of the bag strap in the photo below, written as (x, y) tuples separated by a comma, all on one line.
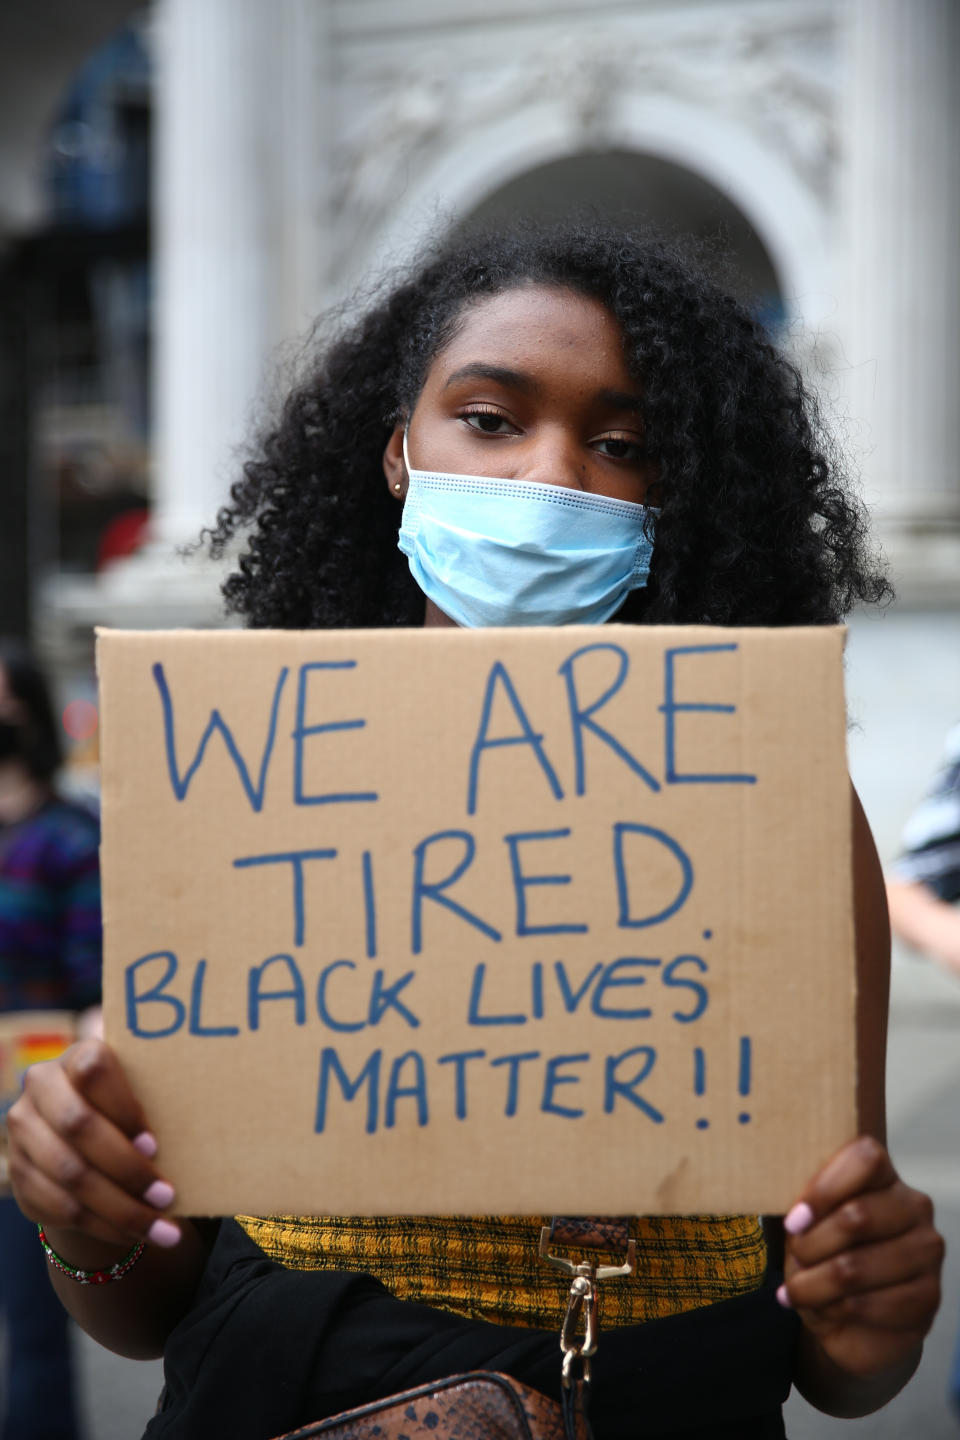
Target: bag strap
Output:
[(595, 1232)]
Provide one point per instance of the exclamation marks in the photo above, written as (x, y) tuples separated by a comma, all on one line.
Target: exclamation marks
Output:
[(744, 1078), (700, 1081)]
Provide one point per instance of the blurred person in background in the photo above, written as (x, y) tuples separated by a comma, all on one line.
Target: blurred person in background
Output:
[(923, 888), (50, 955), (924, 884)]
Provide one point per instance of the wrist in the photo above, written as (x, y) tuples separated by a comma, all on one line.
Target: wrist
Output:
[(82, 1251), (843, 1393), (98, 1275)]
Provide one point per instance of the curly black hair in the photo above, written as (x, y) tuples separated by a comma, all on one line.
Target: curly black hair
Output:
[(757, 525)]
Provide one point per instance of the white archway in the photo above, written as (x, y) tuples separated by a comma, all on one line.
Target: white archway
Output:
[(787, 217)]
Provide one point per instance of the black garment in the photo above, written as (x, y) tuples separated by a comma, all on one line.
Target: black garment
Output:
[(266, 1349)]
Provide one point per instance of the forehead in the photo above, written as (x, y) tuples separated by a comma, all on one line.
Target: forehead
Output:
[(538, 325)]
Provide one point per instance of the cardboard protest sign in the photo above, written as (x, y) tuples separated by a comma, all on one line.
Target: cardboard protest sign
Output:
[(524, 921)]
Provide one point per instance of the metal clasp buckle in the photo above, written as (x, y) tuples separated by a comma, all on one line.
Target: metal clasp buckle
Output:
[(582, 1299)]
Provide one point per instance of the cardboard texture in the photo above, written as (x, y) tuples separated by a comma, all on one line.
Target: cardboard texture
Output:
[(526, 921)]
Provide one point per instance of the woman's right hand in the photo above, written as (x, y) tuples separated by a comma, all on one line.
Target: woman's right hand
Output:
[(81, 1153)]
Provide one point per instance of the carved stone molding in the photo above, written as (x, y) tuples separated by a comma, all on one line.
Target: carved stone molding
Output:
[(774, 78)]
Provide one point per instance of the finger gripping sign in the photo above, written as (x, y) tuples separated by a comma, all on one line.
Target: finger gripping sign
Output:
[(523, 921)]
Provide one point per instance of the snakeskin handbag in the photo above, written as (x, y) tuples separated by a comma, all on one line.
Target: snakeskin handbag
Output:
[(484, 1405)]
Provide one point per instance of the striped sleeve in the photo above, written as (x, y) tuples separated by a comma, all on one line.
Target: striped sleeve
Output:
[(931, 837)]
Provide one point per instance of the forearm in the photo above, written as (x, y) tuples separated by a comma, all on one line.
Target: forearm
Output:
[(134, 1315), (924, 921), (836, 1392)]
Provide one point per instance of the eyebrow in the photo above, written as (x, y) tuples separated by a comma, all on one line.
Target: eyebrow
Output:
[(500, 374), (527, 385)]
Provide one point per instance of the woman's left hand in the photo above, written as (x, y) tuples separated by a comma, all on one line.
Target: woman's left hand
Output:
[(863, 1262)]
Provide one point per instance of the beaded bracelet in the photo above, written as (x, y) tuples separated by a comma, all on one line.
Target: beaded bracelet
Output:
[(91, 1277)]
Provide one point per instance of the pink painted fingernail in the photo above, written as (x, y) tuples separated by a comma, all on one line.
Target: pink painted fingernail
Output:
[(145, 1143), (783, 1298), (798, 1219), (159, 1194), (164, 1234)]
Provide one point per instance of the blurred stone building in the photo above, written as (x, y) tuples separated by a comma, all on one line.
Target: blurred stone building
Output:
[(298, 144)]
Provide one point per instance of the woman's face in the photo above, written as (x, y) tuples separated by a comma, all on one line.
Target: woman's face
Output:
[(534, 386)]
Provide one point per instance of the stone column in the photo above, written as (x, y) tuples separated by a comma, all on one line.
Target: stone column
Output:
[(901, 205), (211, 243), (239, 260)]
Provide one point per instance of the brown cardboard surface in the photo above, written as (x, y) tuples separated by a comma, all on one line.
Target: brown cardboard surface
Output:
[(481, 921)]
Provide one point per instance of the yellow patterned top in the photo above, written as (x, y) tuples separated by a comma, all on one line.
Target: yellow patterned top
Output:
[(487, 1267)]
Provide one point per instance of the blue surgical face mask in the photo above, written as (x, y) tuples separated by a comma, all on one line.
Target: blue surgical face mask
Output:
[(517, 552)]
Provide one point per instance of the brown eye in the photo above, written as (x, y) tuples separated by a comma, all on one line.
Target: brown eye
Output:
[(619, 449), (487, 422)]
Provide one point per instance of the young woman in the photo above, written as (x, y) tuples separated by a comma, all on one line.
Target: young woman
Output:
[(639, 449)]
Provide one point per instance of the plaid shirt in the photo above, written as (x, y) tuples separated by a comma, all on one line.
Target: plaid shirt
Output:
[(931, 838), (486, 1267), (50, 929)]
